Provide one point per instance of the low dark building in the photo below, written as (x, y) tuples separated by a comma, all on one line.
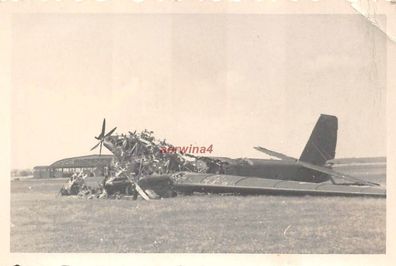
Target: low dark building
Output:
[(93, 164), (41, 172)]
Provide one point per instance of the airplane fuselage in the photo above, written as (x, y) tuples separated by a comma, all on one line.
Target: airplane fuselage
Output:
[(273, 169)]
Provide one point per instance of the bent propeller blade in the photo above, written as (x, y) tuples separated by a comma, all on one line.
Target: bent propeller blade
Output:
[(103, 129), (94, 147), (110, 132)]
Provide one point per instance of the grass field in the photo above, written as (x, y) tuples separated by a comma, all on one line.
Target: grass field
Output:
[(43, 222)]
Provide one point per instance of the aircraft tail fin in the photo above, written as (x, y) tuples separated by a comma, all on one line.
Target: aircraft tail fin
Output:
[(322, 143)]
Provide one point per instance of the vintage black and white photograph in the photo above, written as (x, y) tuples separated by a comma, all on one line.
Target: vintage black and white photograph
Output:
[(199, 133)]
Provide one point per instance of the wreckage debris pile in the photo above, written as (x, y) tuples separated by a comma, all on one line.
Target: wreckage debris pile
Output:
[(76, 186), (137, 155)]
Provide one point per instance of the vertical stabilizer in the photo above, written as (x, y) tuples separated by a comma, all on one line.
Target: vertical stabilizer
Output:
[(322, 143)]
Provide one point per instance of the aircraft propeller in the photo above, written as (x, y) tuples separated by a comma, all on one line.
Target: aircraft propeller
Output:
[(102, 136)]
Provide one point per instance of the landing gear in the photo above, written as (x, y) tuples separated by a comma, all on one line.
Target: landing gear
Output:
[(131, 191)]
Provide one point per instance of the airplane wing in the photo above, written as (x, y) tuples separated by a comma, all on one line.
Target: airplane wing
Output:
[(201, 182)]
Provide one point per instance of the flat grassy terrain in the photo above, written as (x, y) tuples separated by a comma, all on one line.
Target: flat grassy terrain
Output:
[(43, 222)]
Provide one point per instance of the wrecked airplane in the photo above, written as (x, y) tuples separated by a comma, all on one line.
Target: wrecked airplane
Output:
[(141, 167)]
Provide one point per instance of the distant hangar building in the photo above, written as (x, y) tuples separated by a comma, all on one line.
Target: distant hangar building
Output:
[(94, 164)]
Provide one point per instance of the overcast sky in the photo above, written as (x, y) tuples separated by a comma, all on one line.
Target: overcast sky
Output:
[(234, 81)]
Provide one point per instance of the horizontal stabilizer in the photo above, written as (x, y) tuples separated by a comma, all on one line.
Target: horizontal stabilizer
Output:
[(275, 154), (333, 174)]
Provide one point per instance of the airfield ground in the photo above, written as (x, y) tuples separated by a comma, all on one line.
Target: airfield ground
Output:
[(43, 222)]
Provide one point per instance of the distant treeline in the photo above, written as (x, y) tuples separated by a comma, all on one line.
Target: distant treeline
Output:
[(359, 160), (21, 172)]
